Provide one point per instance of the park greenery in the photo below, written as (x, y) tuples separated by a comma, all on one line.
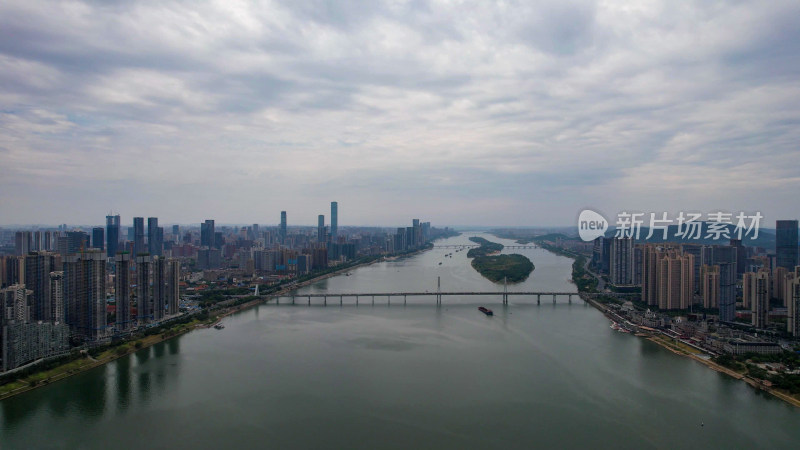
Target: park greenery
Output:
[(747, 364), (486, 247), (513, 268)]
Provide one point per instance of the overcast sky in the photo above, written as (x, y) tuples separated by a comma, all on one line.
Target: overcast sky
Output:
[(462, 113)]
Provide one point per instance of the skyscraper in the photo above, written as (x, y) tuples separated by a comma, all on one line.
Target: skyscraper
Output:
[(98, 238), (207, 234), (85, 293), (122, 290), (38, 266), (112, 235), (725, 257), (334, 221), (155, 237), (138, 235), (786, 243), (321, 228), (283, 227)]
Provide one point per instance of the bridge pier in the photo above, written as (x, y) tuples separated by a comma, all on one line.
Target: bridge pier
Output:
[(293, 299), (325, 300), (554, 299), (538, 299), (309, 300)]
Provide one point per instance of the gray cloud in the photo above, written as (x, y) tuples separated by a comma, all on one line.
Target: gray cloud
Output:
[(508, 113)]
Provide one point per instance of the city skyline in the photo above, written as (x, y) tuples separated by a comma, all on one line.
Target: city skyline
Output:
[(493, 114)]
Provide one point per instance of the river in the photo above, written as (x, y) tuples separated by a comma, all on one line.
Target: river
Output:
[(405, 376)]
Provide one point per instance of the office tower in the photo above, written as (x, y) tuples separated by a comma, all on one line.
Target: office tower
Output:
[(173, 286), (144, 299), (256, 231), (710, 286), (758, 297), (621, 269), (122, 290), (321, 228), (793, 300), (786, 243), (155, 237), (22, 243), (112, 235), (207, 234), (16, 304), (283, 227), (415, 234), (98, 238), (675, 280), (176, 233), (725, 257), (334, 221), (85, 293), (38, 266), (138, 236)]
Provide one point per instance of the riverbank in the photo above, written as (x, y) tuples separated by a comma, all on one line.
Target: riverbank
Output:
[(689, 352), (87, 362)]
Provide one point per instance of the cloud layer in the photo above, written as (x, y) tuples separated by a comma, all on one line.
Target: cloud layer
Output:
[(507, 113)]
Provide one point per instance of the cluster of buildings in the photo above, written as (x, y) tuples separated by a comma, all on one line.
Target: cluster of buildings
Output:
[(731, 280), (62, 287)]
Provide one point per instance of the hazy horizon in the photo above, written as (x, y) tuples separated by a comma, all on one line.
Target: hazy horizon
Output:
[(512, 113)]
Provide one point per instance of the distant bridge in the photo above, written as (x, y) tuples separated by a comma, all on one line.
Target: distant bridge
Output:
[(437, 296), (465, 246)]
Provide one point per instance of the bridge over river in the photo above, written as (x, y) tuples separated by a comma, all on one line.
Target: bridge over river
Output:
[(437, 296)]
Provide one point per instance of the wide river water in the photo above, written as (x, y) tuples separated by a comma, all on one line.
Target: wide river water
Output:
[(405, 376)]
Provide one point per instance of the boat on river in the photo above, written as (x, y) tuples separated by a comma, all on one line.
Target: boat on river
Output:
[(485, 310)]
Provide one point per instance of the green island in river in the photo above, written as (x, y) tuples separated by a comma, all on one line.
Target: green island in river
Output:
[(514, 268)]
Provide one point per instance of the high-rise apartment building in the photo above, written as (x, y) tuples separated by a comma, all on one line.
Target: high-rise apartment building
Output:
[(725, 257), (159, 288), (759, 295), (675, 280), (85, 293), (138, 236), (57, 295), (38, 266), (621, 268), (122, 290), (793, 300), (144, 299), (710, 286), (173, 286), (155, 237)]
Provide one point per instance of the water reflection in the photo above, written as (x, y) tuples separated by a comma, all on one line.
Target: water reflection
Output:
[(123, 380)]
